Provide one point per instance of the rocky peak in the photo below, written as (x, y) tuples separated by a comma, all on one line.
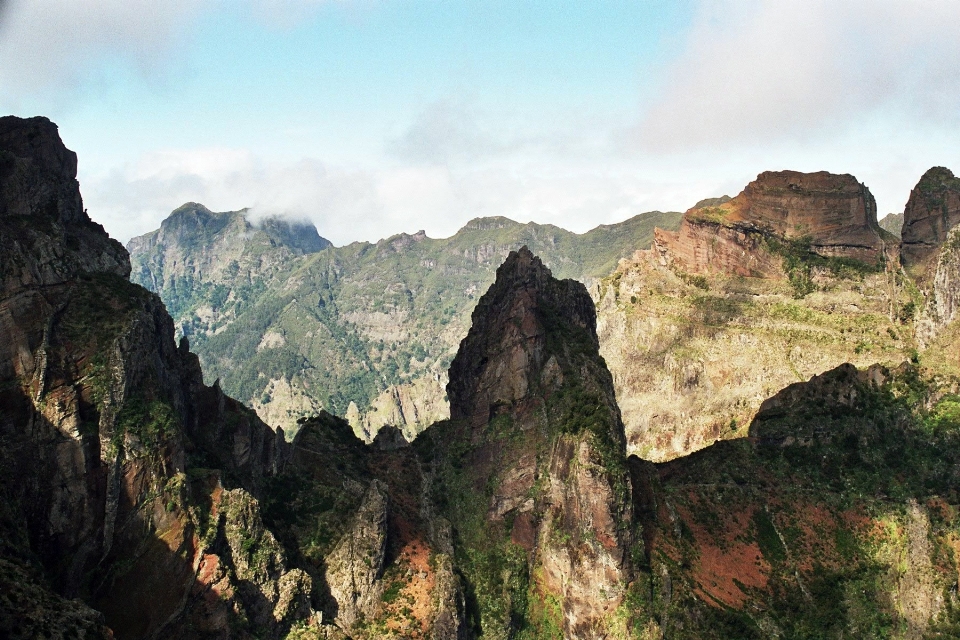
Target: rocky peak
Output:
[(194, 226), (533, 405), (35, 162), (837, 214), (892, 223), (932, 210), (505, 357), (47, 236), (489, 223)]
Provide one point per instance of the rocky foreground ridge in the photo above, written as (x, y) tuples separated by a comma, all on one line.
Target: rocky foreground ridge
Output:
[(136, 502), (102, 417)]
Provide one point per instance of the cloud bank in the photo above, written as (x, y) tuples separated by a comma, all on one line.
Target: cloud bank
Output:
[(756, 71), (52, 47), (348, 204)]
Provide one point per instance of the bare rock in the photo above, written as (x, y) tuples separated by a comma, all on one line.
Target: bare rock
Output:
[(931, 212), (835, 213), (356, 563)]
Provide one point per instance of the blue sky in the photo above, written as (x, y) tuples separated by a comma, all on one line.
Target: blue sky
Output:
[(372, 117)]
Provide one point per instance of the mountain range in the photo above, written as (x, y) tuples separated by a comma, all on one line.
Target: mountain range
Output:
[(778, 494), (293, 325)]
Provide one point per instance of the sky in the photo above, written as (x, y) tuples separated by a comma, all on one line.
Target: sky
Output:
[(374, 117)]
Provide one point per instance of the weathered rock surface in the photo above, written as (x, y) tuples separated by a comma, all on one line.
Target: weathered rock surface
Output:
[(835, 213), (534, 419), (101, 415), (931, 212), (47, 236), (355, 566)]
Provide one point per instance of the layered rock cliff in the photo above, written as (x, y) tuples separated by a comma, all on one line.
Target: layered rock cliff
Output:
[(833, 215), (530, 468), (783, 282)]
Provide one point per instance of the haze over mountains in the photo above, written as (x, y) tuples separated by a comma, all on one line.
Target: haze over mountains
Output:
[(780, 491)]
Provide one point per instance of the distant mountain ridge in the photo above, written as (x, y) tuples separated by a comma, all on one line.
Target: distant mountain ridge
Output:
[(366, 330), (892, 223)]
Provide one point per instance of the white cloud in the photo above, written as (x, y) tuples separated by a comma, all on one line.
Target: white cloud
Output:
[(760, 70), (49, 47), (349, 204), (49, 44)]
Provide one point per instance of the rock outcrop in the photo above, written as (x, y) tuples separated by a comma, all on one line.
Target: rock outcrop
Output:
[(931, 212), (102, 415), (355, 565), (47, 236), (943, 296), (535, 421), (834, 215)]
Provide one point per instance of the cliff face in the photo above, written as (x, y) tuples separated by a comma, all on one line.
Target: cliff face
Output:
[(531, 464), (47, 237), (101, 416), (943, 295), (783, 282), (932, 210), (834, 215)]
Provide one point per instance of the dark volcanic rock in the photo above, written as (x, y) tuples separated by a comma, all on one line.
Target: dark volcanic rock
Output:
[(101, 416), (932, 210), (46, 236)]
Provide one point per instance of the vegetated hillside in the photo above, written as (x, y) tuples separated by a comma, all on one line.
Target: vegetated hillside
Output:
[(837, 518), (892, 223), (366, 330), (715, 318)]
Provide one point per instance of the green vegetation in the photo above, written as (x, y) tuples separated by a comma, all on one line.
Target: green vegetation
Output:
[(150, 421), (358, 318), (831, 485), (801, 263)]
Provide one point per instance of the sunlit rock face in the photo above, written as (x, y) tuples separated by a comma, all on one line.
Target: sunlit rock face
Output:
[(834, 214)]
